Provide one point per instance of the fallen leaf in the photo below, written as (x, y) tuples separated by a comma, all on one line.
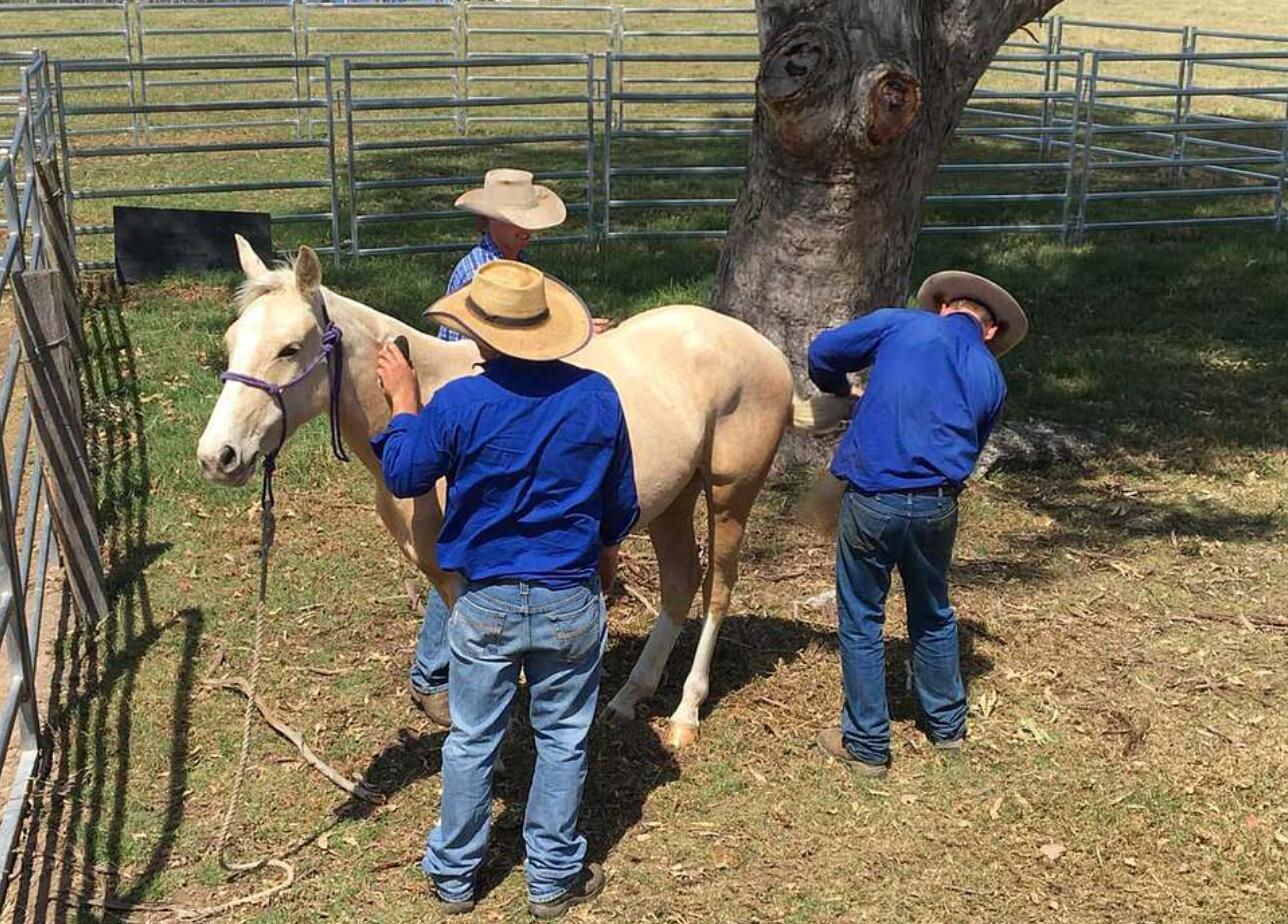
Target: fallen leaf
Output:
[(1052, 851), (995, 809), (324, 842)]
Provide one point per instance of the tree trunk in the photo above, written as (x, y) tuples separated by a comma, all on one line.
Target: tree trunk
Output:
[(857, 101)]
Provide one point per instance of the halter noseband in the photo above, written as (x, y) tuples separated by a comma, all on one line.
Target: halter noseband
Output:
[(333, 354)]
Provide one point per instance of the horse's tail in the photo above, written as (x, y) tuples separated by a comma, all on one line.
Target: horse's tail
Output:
[(821, 413)]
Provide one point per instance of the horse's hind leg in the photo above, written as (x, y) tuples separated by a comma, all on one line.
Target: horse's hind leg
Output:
[(679, 573), (728, 507)]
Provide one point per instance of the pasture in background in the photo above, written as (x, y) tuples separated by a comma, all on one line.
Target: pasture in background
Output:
[(357, 125), (1122, 626)]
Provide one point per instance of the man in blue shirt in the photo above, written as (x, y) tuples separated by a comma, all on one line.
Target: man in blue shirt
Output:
[(934, 392), (510, 207), (540, 493)]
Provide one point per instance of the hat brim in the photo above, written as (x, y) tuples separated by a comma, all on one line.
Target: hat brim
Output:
[(548, 211), (564, 330), (1012, 322)]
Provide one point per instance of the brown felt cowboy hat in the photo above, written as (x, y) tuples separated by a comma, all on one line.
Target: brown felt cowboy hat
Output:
[(517, 310), (1012, 323), (511, 196)]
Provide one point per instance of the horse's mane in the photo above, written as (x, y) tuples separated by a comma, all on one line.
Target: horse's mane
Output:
[(282, 277)]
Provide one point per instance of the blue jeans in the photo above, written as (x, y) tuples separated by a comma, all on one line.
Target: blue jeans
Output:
[(429, 666), (556, 637), (876, 534)]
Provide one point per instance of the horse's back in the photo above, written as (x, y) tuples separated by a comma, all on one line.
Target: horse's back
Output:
[(702, 392), (705, 358)]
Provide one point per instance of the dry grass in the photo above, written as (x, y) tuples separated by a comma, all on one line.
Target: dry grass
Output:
[(1123, 638)]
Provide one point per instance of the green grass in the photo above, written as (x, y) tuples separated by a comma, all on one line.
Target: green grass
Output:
[(1100, 607), (156, 170), (1089, 599)]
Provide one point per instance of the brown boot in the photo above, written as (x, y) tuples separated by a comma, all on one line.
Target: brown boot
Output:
[(434, 705), (588, 885), (831, 743)]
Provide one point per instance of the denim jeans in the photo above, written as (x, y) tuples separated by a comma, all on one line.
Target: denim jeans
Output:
[(876, 534), (429, 666), (556, 637)]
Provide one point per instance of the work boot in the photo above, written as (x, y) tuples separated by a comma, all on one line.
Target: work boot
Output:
[(950, 745), (832, 744), (449, 908), (434, 705), (589, 884)]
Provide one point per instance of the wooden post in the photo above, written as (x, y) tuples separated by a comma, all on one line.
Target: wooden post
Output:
[(58, 245), (52, 383)]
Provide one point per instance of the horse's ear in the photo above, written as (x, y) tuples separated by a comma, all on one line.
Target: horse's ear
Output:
[(308, 271), (251, 264)]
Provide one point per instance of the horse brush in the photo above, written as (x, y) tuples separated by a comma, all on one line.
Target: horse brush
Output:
[(404, 348)]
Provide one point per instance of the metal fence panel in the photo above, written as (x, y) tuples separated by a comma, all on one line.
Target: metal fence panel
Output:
[(407, 162), (254, 125), (26, 532)]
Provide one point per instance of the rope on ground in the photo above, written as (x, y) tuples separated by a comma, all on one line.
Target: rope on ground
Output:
[(354, 788), (234, 797)]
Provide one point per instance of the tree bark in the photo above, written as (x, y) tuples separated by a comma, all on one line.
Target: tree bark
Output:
[(857, 101)]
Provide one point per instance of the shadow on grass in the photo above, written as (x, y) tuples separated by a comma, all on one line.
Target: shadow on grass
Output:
[(73, 852)]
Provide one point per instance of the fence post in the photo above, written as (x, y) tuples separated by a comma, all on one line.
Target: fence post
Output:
[(1050, 82), (1088, 140), (58, 246), (43, 325), (1071, 164), (330, 157), (130, 76), (590, 144), (1283, 174), (143, 72), (461, 40), (1184, 99), (303, 115), (608, 143), (66, 152)]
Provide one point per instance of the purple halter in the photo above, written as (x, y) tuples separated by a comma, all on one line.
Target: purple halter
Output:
[(332, 353)]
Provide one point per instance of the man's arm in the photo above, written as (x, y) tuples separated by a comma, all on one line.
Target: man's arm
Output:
[(413, 449), (848, 348)]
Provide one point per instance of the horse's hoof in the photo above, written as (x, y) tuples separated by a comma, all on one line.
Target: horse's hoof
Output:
[(680, 735)]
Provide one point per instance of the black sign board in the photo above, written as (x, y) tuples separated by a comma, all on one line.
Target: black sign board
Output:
[(153, 242)]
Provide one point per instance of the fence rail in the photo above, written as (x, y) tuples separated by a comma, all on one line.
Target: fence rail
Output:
[(1079, 127)]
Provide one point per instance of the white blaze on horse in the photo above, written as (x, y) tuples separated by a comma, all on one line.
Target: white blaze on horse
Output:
[(706, 400)]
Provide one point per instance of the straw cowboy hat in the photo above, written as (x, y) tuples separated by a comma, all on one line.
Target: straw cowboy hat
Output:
[(511, 196), (517, 310), (1012, 323)]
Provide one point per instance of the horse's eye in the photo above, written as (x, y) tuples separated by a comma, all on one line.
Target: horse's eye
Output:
[(289, 351)]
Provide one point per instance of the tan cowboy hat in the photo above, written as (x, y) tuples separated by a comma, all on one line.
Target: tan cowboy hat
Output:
[(510, 195), (1012, 323), (517, 310)]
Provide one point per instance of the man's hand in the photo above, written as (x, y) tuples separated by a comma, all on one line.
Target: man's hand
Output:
[(608, 567), (398, 380), (599, 325)]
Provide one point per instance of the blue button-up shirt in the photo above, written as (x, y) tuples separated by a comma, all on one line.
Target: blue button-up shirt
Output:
[(538, 467), (483, 253), (931, 400)]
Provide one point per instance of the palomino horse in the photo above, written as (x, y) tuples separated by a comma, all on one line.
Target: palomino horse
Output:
[(706, 400)]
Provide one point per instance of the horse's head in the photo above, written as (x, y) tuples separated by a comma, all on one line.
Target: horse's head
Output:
[(277, 334)]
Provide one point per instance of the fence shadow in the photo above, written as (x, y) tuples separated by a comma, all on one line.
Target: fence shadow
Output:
[(70, 863)]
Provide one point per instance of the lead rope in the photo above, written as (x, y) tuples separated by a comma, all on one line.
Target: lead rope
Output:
[(332, 350), (267, 532)]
